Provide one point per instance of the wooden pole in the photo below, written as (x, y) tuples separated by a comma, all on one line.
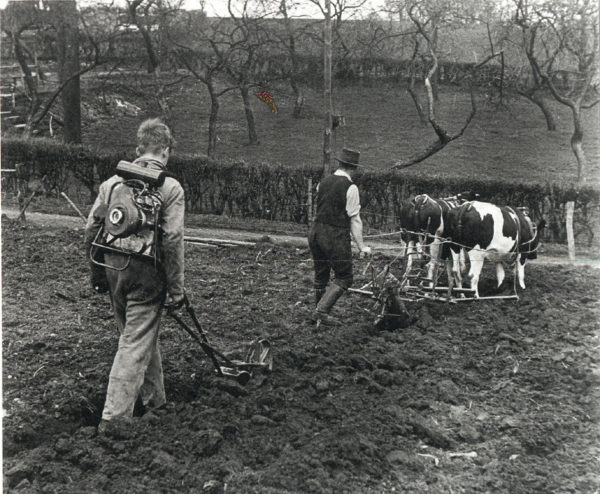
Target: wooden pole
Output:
[(22, 212), (570, 235), (327, 104), (218, 241), (309, 202), (74, 207)]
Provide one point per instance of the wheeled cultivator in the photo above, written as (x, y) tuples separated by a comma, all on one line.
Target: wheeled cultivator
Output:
[(258, 354)]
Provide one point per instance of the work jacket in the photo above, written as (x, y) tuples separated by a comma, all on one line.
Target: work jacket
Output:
[(171, 224)]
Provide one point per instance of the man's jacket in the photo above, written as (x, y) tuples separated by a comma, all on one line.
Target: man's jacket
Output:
[(171, 224)]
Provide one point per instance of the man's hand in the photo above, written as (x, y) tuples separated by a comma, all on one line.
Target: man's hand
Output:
[(98, 279), (174, 302), (365, 252), (100, 288)]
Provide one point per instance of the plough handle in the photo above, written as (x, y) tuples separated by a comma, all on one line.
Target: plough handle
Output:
[(205, 346), (192, 313), (205, 343)]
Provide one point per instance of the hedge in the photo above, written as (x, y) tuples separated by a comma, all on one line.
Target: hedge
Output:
[(275, 192)]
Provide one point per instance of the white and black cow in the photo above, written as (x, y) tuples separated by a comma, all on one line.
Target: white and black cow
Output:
[(487, 231)]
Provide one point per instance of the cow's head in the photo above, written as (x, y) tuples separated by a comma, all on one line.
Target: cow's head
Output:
[(530, 235), (407, 219)]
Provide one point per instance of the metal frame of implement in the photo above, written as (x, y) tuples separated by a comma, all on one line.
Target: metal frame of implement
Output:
[(403, 287)]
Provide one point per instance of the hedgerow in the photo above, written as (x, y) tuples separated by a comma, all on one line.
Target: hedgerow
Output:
[(275, 192)]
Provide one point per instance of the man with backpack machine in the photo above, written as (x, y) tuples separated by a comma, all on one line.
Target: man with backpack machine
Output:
[(134, 234)]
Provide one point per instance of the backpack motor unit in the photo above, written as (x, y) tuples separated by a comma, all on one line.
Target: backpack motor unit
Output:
[(132, 218)]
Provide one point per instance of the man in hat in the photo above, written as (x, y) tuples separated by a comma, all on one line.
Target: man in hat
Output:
[(337, 218)]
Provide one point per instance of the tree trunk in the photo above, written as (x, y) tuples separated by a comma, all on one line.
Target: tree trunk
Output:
[(435, 80), (543, 105), (161, 98), (577, 146), (30, 83), (417, 101), (252, 136), (299, 99), (212, 120), (68, 64), (327, 91)]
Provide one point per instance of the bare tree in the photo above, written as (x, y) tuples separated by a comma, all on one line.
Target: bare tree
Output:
[(533, 45), (65, 13), (443, 136), (205, 57), (291, 36), (568, 33), (247, 40), (153, 18), (20, 17), (572, 68)]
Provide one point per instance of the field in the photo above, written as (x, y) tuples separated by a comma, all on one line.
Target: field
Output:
[(487, 397), (509, 142)]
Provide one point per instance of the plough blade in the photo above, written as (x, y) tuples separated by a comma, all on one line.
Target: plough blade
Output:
[(241, 376), (259, 354)]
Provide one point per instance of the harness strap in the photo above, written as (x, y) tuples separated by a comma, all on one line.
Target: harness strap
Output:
[(518, 240)]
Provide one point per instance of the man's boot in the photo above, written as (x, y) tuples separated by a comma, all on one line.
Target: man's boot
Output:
[(319, 292), (321, 313)]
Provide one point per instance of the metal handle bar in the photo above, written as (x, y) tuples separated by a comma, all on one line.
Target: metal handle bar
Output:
[(205, 346)]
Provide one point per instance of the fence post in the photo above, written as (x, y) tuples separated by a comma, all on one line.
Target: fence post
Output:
[(309, 202), (570, 234)]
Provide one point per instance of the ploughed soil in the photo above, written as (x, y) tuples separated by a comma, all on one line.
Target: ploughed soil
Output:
[(488, 396)]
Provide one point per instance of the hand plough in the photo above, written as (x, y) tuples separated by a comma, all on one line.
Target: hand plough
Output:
[(258, 355)]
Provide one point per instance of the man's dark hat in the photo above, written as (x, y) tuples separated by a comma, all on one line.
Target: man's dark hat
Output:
[(349, 157)]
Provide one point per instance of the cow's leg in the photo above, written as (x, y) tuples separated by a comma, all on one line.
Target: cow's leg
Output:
[(419, 244), (453, 272), (410, 249), (476, 258), (460, 266), (499, 272), (403, 248), (462, 263), (434, 250), (520, 271), (450, 272)]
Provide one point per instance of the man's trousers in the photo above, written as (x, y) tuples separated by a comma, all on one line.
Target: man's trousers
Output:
[(138, 295), (331, 250)]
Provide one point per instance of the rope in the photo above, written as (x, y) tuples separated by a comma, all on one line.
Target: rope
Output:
[(446, 240)]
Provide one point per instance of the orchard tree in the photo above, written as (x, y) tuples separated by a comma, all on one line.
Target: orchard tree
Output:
[(562, 49), (204, 53), (67, 41), (245, 44), (154, 20), (421, 18), (290, 40), (58, 23)]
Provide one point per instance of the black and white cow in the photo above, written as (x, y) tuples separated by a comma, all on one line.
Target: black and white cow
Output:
[(487, 231), (427, 216)]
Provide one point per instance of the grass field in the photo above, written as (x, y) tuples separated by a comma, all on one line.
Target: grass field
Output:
[(509, 143)]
